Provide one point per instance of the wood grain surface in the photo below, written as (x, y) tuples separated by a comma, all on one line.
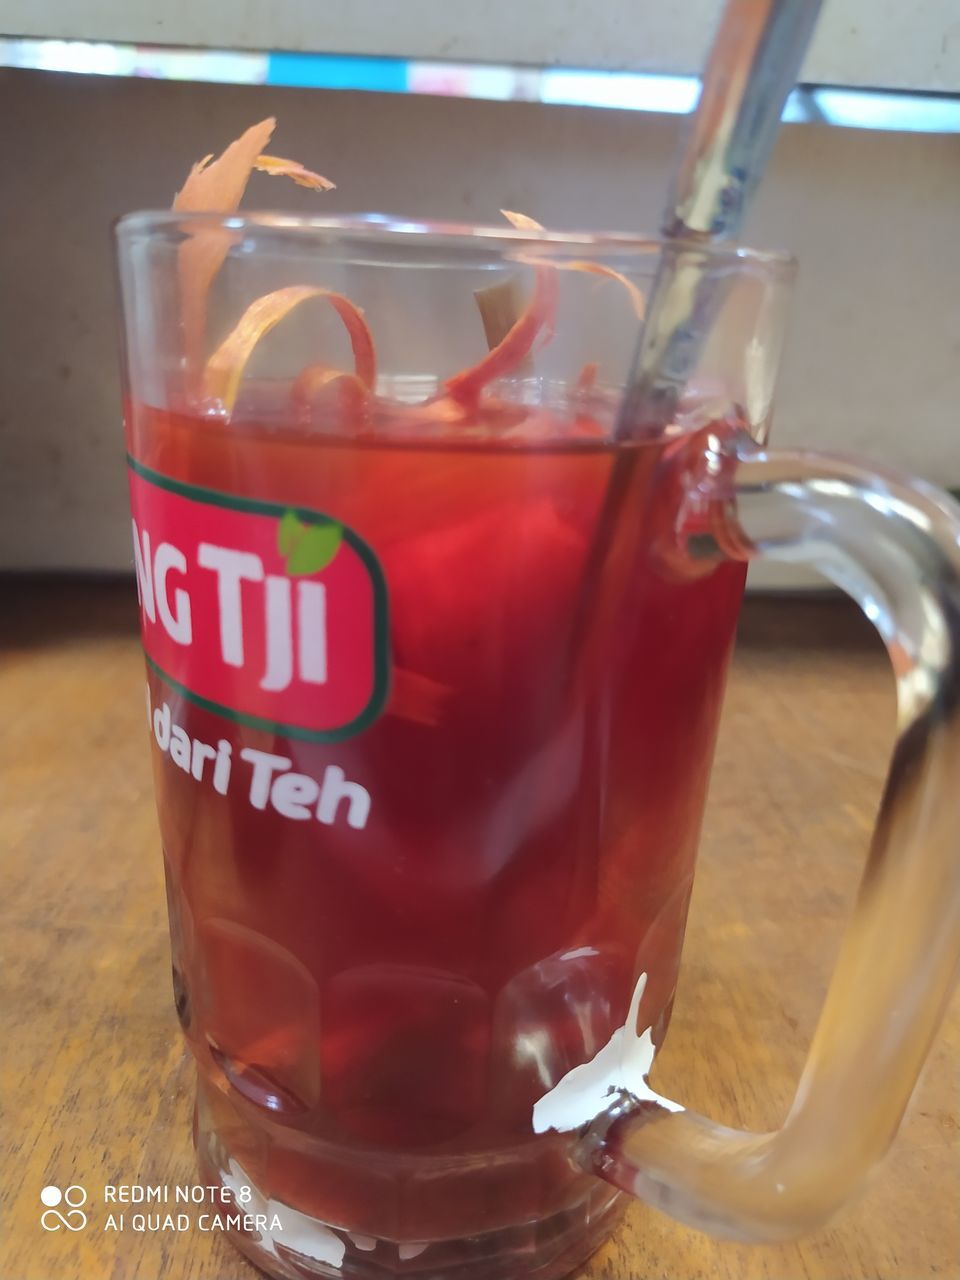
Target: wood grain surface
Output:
[(95, 1087)]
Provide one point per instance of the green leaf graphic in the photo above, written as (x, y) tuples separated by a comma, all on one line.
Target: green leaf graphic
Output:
[(315, 549), (289, 532)]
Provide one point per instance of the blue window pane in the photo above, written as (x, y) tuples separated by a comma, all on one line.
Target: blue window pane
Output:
[(330, 71)]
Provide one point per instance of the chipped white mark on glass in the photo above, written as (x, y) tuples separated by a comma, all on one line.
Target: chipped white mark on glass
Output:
[(408, 1251), (581, 953), (304, 1235), (297, 1232), (621, 1066), (237, 1181)]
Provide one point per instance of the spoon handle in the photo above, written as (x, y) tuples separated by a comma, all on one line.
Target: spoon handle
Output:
[(752, 66)]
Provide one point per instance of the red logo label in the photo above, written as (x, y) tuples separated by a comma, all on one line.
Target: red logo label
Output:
[(272, 616)]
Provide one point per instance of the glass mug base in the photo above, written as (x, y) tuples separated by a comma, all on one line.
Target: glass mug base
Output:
[(289, 1244)]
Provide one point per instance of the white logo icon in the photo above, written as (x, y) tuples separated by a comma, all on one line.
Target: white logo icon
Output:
[(74, 1219)]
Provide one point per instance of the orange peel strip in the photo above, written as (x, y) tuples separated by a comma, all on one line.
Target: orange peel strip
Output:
[(224, 369), (536, 321), (312, 382), (609, 273), (521, 221), (587, 377), (585, 423), (517, 344), (217, 186), (598, 269), (212, 186), (293, 169)]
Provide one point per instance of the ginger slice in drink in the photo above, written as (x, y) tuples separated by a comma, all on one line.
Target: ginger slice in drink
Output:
[(517, 344), (499, 306), (467, 385)]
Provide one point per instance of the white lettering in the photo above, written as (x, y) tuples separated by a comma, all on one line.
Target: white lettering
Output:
[(232, 569), (135, 1193), (279, 632), (273, 782), (312, 632), (176, 621), (292, 794), (161, 726), (264, 765), (114, 1223), (201, 754), (221, 770), (160, 1222), (144, 569), (239, 1222), (198, 1194), (180, 748), (335, 788)]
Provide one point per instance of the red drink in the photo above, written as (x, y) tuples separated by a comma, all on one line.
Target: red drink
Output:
[(434, 673), (379, 985)]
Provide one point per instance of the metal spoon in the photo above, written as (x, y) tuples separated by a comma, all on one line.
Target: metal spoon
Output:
[(751, 68)]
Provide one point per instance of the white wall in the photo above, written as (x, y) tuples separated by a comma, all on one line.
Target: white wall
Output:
[(873, 362), (896, 44)]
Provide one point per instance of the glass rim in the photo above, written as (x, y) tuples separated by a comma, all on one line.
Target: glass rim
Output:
[(382, 229)]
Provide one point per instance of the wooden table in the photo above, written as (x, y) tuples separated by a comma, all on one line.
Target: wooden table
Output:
[(95, 1087)]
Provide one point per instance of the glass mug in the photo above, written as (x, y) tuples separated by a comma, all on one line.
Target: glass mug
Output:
[(436, 646)]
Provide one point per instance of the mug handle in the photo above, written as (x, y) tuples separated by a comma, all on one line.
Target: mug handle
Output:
[(894, 545)]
